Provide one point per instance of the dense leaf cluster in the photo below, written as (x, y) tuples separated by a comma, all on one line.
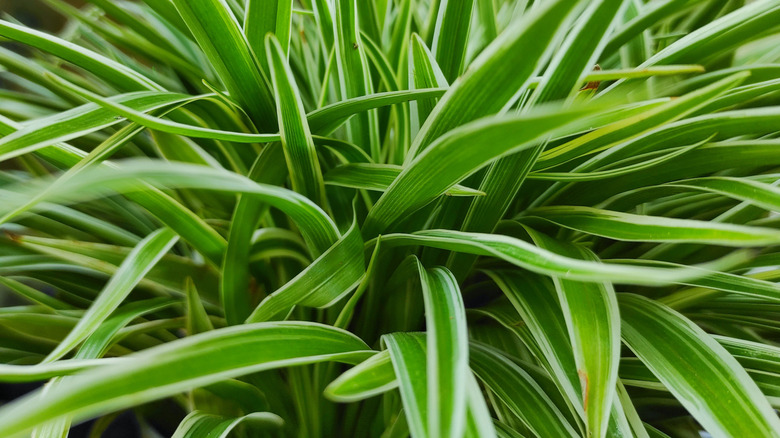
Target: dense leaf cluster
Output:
[(426, 218)]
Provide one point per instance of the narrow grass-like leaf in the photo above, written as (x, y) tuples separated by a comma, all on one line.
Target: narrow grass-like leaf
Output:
[(219, 35), (326, 119), (423, 73), (449, 160), (755, 192), (170, 126), (169, 211), (32, 373), (316, 226), (335, 273), (519, 392), (727, 32), (348, 311), (354, 75), (542, 261), (400, 113), (268, 16), (109, 70), (624, 226), (650, 14), (234, 284), (372, 377), (490, 82), (96, 345), (707, 159), (201, 424), (621, 130), (408, 355), (77, 122), (535, 301), (479, 423), (302, 162), (133, 269), (568, 66), (640, 165), (447, 347), (197, 318), (379, 177), (591, 312), (160, 371), (32, 294), (451, 35), (700, 373)]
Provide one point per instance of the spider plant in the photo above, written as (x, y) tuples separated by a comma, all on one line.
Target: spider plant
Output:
[(426, 218)]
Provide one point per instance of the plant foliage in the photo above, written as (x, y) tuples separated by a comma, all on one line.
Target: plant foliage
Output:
[(426, 218)]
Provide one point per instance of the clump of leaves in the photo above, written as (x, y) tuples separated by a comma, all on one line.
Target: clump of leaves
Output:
[(433, 218)]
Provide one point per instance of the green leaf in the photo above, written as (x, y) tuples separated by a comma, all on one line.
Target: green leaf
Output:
[(490, 82), (372, 377), (268, 16), (721, 35), (700, 373), (111, 71), (521, 394), (708, 158), (423, 73), (32, 373), (170, 212), (631, 227), (593, 322), (334, 274), (143, 257), (651, 14), (96, 345), (755, 192), (450, 159), (379, 177), (400, 115), (354, 75), (197, 318), (451, 35), (77, 122), (408, 355), (327, 119), (639, 165), (170, 126), (32, 294), (317, 228), (534, 299), (623, 130), (479, 423), (201, 424), (234, 284), (159, 372), (504, 178), (298, 145), (447, 352), (542, 261), (348, 311), (219, 35)]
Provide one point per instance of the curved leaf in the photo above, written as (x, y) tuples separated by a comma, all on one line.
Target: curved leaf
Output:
[(181, 365), (130, 272), (200, 424), (624, 226), (700, 373), (542, 261), (335, 273), (519, 392)]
